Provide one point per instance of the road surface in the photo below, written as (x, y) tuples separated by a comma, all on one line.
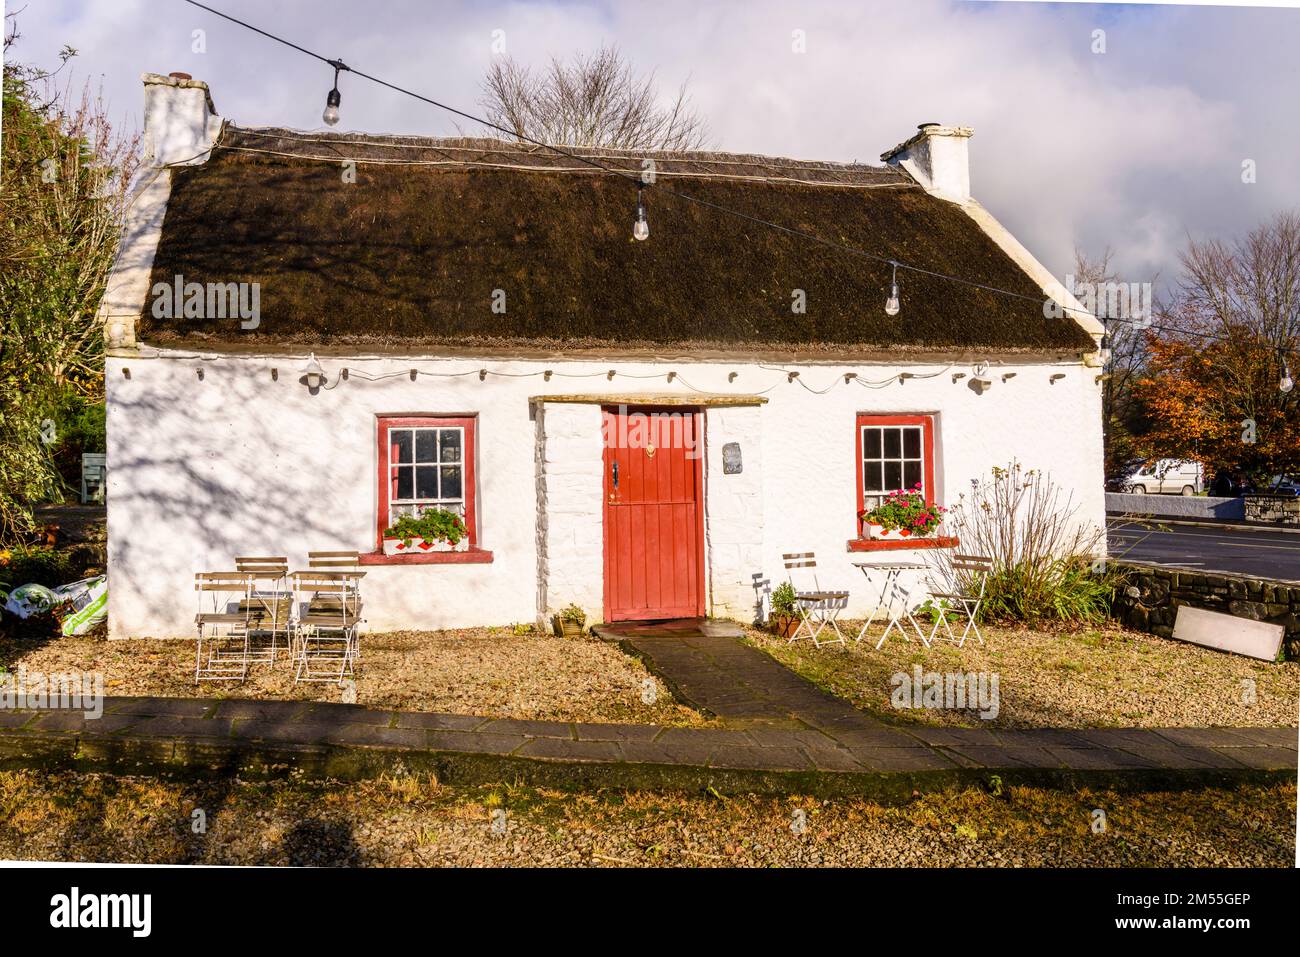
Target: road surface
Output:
[(1261, 552)]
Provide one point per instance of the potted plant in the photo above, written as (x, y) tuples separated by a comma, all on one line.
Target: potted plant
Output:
[(784, 618), (569, 621), (903, 514), (433, 530)]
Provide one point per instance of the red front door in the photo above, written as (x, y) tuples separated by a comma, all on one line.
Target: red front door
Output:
[(654, 541)]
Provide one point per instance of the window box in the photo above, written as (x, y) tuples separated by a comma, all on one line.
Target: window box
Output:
[(414, 546), (900, 544)]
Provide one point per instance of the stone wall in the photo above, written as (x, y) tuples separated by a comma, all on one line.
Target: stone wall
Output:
[(734, 509), (1275, 509), (1150, 600), (1175, 506)]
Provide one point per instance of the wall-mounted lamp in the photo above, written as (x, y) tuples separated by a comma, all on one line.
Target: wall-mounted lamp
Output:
[(980, 377), (313, 376)]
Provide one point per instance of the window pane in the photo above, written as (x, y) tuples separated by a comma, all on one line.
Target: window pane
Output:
[(451, 483), (911, 474), (400, 440), (893, 444), (404, 482), (871, 443), (871, 477), (450, 445), (426, 481), (912, 443), (893, 476), (426, 445)]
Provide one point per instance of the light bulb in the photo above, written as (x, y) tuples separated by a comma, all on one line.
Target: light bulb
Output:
[(1104, 352), (891, 304), (331, 114), (641, 230), (1285, 384)]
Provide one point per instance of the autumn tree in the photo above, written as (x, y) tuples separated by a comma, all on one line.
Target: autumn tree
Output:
[(1212, 387), (595, 100)]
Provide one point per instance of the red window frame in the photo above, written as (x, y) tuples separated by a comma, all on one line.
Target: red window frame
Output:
[(927, 453), (469, 458)]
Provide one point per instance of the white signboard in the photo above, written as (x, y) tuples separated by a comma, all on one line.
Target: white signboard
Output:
[(1241, 636)]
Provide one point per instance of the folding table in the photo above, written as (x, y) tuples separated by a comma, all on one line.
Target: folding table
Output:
[(895, 597)]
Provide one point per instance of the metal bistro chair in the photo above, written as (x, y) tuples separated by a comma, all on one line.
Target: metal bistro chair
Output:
[(815, 605), (222, 632), (327, 641), (269, 608), (971, 573), (343, 561)]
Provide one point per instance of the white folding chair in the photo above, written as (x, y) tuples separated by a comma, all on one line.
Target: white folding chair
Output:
[(326, 625), (268, 606), (816, 605), (222, 652), (970, 575)]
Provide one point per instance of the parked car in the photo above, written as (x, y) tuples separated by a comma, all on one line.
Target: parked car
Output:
[(1167, 477), (1283, 485)]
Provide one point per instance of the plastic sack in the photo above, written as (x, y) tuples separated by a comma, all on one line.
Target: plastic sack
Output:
[(28, 600), (89, 599)]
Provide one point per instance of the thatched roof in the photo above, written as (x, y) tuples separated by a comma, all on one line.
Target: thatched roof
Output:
[(413, 251)]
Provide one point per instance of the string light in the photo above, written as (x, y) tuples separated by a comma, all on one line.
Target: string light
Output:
[(334, 98), (641, 229), (1286, 383), (892, 304)]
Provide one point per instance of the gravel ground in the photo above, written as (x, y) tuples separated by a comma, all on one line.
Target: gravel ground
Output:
[(488, 671), (416, 822), (1093, 677)]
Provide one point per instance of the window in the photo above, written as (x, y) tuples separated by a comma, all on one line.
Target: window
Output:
[(894, 452), (426, 462)]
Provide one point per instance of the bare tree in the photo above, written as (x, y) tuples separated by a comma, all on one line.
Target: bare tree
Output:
[(596, 100)]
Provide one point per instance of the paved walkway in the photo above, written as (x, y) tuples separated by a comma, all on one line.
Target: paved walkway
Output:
[(707, 668)]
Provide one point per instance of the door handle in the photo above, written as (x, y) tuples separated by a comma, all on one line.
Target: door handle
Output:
[(615, 467)]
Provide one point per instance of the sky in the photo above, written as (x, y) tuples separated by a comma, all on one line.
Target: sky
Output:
[(1131, 139)]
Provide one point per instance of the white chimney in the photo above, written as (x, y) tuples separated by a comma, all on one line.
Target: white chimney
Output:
[(937, 157), (180, 122)]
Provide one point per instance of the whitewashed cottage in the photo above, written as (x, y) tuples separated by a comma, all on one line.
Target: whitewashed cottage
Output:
[(312, 333)]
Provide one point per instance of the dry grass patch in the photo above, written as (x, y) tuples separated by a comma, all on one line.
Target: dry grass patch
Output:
[(417, 822), (487, 671), (1087, 677)]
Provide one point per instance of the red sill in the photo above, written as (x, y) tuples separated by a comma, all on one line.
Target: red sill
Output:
[(475, 556), (899, 544)]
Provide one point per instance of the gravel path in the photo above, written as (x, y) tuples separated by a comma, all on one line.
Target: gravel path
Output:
[(1093, 677), (482, 671), (414, 821)]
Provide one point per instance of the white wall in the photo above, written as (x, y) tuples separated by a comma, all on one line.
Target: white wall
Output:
[(203, 470)]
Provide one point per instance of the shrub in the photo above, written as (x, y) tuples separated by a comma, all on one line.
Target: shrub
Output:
[(1044, 559), (783, 600), (26, 565)]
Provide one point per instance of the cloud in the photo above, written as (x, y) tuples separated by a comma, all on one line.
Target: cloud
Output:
[(1134, 148)]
